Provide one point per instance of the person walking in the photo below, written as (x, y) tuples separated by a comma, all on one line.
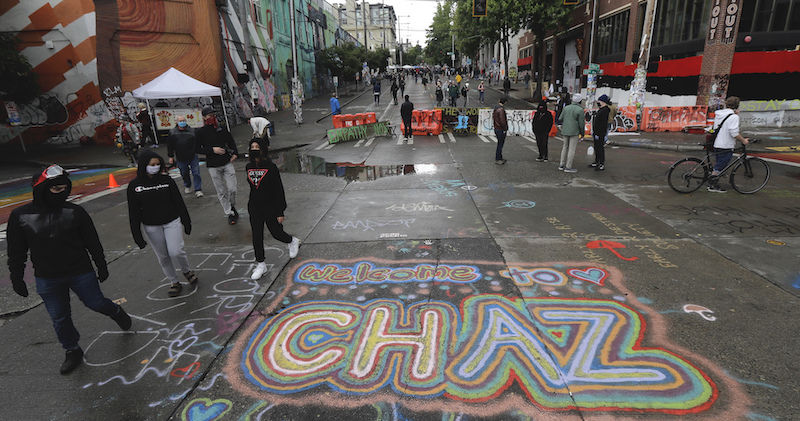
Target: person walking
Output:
[(481, 91), (424, 83), (406, 112), (220, 150), (267, 205), (394, 90), (506, 86), (376, 91), (600, 133), (60, 237), (465, 93), (155, 205), (146, 125), (500, 128), (260, 126), (453, 91), (572, 130), (542, 123), (727, 123), (402, 86), (182, 151), (336, 109), (527, 80), (129, 138), (439, 94)]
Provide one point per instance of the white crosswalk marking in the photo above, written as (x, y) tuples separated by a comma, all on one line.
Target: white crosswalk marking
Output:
[(400, 140), (492, 138), (484, 139), (452, 138), (441, 139), (529, 139), (359, 143), (330, 146), (322, 146), (411, 140), (369, 142)]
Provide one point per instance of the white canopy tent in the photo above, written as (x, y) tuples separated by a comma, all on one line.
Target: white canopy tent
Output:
[(175, 84)]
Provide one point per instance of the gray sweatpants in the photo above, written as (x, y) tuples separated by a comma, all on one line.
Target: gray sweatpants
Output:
[(224, 179), (568, 150), (167, 242)]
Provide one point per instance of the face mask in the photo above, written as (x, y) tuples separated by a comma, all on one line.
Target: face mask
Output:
[(255, 154), (55, 200), (153, 169), (210, 120), (182, 124)]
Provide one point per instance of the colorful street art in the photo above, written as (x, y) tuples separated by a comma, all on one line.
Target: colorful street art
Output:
[(575, 339)]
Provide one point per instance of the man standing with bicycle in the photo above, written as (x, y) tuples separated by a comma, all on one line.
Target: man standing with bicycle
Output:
[(726, 122)]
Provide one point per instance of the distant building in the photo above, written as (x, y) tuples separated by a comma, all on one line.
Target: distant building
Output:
[(380, 23)]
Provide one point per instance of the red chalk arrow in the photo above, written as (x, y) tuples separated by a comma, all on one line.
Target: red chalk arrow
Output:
[(610, 245)]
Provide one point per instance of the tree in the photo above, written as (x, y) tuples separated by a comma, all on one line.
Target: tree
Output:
[(414, 55), (18, 82), (439, 34), (343, 61), (503, 19), (470, 34), (542, 17), (378, 58)]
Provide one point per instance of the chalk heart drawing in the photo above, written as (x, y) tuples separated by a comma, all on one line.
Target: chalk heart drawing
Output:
[(186, 372), (203, 409), (593, 275), (562, 353)]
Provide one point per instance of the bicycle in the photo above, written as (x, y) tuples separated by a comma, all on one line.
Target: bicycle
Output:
[(748, 174)]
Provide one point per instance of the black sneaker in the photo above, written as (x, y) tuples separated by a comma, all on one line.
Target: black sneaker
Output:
[(593, 165), (232, 219), (716, 189), (599, 167), (235, 214), (74, 358), (122, 319)]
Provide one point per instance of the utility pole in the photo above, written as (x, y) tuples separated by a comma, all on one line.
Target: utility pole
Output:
[(453, 49), (364, 16), (591, 79), (640, 76)]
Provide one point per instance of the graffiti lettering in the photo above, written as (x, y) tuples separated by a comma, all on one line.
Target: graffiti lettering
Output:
[(367, 273)]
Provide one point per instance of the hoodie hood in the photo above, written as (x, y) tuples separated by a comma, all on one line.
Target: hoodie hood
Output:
[(722, 113), (144, 159), (42, 194)]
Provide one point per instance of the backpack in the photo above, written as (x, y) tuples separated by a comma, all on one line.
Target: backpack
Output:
[(711, 136)]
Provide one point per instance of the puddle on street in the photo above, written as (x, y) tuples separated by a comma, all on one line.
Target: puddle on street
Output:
[(298, 163)]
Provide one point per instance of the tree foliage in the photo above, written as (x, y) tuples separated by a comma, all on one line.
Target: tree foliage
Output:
[(378, 58), (439, 35), (343, 60), (414, 55), (542, 17), (18, 82)]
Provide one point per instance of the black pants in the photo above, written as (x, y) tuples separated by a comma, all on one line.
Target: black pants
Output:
[(407, 126), (541, 143), (259, 217), (599, 149)]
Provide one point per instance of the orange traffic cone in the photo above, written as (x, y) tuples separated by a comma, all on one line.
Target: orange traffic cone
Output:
[(112, 182)]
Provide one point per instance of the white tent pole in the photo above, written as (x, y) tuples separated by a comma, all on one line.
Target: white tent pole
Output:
[(152, 121)]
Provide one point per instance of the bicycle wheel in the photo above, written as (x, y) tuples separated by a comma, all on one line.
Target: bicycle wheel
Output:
[(687, 175), (750, 175)]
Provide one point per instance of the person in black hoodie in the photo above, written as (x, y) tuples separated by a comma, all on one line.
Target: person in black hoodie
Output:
[(220, 149), (156, 204), (266, 205), (61, 237), (542, 123), (600, 132)]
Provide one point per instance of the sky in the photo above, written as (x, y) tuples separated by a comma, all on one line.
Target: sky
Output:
[(413, 16)]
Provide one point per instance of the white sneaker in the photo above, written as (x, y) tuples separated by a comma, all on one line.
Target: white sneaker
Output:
[(198, 193), (187, 190), (294, 247), (259, 271)]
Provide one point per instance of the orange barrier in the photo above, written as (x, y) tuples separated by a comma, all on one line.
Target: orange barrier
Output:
[(350, 120), (425, 123), (672, 119)]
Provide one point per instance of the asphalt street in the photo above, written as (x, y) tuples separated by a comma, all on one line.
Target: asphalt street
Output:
[(432, 284)]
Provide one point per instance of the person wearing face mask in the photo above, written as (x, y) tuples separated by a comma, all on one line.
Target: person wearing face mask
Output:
[(182, 149), (266, 205), (156, 206), (217, 144), (61, 239)]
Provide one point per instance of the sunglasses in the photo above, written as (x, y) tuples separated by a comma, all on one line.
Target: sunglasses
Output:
[(50, 172)]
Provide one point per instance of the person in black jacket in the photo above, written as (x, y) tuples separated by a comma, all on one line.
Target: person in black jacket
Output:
[(542, 123), (182, 151), (266, 205), (406, 112), (217, 144), (155, 204), (600, 132), (60, 237)]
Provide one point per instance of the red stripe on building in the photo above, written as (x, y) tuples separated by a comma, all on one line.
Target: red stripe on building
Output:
[(766, 62), (524, 61)]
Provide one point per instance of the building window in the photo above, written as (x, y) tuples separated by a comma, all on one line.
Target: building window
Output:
[(612, 34), (343, 17), (770, 16), (678, 21)]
